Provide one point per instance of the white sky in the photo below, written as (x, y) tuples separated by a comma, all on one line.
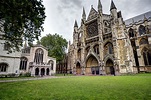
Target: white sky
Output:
[(61, 14)]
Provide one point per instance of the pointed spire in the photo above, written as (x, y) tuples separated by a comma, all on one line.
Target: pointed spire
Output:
[(75, 24), (99, 5), (133, 21), (25, 44), (84, 15), (145, 19), (112, 5)]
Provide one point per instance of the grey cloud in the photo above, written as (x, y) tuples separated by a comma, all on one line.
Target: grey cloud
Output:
[(71, 3)]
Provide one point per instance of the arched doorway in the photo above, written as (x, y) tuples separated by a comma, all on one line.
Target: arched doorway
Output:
[(109, 67), (92, 65), (47, 71), (37, 71), (42, 71), (78, 68)]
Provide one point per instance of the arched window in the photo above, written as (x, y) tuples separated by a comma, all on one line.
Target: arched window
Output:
[(147, 57), (79, 53), (131, 32), (39, 56), (23, 63), (108, 48), (143, 41), (51, 64), (96, 49), (142, 30), (3, 67)]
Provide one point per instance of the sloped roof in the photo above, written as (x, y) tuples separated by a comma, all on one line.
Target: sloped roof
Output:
[(138, 18)]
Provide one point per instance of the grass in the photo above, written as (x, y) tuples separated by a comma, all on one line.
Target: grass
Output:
[(137, 87)]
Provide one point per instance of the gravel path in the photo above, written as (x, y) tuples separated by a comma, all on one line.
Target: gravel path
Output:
[(35, 78)]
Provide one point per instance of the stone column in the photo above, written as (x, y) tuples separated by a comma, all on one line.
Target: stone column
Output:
[(103, 70), (33, 71), (45, 72), (40, 71), (83, 70)]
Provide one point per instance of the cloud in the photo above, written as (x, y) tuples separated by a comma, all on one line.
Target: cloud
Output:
[(61, 14)]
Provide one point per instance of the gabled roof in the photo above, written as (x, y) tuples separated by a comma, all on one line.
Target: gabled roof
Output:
[(92, 14)]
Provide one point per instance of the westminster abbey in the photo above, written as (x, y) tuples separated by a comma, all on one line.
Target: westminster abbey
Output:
[(105, 44)]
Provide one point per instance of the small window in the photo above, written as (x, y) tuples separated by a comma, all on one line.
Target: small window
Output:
[(142, 30), (3, 67), (6, 46), (131, 33)]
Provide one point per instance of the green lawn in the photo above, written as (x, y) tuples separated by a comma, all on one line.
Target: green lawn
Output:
[(80, 88)]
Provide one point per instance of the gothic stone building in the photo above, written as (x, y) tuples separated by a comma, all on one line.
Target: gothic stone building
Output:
[(35, 60), (105, 44)]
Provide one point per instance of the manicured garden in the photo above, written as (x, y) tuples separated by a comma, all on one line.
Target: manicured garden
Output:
[(135, 87)]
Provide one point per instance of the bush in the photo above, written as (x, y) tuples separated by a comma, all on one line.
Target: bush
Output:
[(25, 74)]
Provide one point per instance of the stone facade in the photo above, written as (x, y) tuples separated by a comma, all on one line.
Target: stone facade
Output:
[(36, 61), (9, 62), (105, 44), (33, 60)]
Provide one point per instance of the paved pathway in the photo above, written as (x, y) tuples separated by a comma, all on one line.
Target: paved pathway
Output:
[(35, 78)]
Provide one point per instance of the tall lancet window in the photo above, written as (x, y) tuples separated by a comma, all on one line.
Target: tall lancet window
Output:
[(39, 56), (23, 63)]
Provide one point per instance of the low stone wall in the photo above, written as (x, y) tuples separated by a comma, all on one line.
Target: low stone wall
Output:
[(142, 69)]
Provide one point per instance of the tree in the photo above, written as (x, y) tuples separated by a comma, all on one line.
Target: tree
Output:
[(56, 45), (21, 19)]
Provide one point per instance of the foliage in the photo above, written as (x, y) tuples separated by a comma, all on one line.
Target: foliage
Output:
[(27, 74), (80, 88), (56, 45), (21, 18)]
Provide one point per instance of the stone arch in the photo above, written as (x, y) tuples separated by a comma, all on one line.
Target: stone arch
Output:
[(92, 65), (131, 32), (3, 67), (146, 54), (141, 30), (42, 71), (78, 68), (51, 63), (108, 48), (37, 71), (47, 71), (109, 68)]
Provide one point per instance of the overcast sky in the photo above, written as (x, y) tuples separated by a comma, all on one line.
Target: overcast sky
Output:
[(61, 14)]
